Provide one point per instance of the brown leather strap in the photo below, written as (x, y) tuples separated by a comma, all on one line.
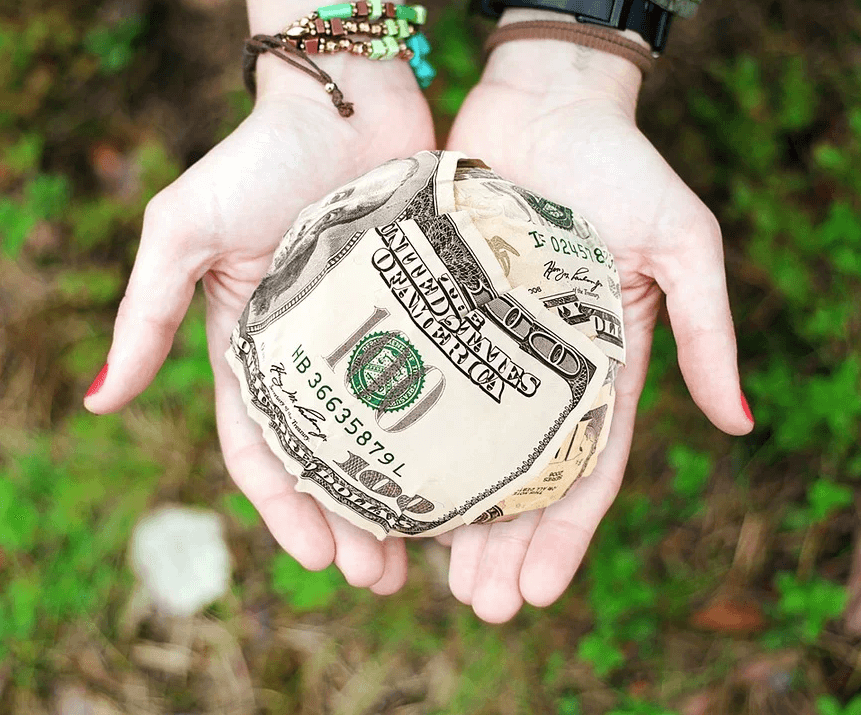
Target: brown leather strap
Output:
[(599, 38), (257, 45)]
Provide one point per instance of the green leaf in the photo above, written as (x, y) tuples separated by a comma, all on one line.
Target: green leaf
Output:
[(841, 227), (451, 99), (595, 648), (825, 497), (839, 388), (84, 357), (92, 285), (569, 705), (305, 590), (16, 223), (802, 410), (23, 599), (798, 96), (692, 469), (828, 705), (182, 374), (457, 54), (830, 321), (458, 51), (237, 505), (814, 601), (46, 196), (830, 157), (743, 79), (94, 222), (855, 121), (796, 518), (113, 44), (847, 260), (635, 706), (853, 466), (157, 168), (25, 154), (790, 272), (19, 523)]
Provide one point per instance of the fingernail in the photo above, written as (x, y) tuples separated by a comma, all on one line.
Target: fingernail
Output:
[(98, 382), (746, 409)]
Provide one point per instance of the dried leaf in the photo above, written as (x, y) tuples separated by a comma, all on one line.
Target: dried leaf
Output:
[(725, 614)]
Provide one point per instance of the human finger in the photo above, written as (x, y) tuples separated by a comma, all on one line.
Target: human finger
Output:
[(395, 571), (171, 258), (467, 546), (694, 280), (358, 554), (496, 596)]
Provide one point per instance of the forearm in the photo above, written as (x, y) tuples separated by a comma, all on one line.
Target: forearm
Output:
[(549, 66)]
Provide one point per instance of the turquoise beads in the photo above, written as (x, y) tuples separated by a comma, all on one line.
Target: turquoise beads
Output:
[(422, 69)]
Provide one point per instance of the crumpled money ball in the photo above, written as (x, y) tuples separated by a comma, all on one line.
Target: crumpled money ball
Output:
[(433, 346)]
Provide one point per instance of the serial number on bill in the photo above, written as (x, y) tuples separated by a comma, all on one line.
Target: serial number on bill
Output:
[(341, 414)]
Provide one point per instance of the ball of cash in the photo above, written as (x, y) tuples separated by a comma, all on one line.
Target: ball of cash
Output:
[(433, 346)]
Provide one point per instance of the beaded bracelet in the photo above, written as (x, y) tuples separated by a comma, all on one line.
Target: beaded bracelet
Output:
[(393, 31)]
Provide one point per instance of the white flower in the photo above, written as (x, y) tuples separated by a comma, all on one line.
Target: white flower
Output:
[(181, 558)]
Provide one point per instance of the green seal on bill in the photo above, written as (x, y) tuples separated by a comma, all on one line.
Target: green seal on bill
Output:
[(386, 372), (558, 215)]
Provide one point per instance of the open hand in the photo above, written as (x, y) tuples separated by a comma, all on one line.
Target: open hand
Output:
[(558, 119), (221, 222)]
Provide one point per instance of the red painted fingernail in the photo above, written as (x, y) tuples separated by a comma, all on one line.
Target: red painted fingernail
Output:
[(98, 382), (746, 408)]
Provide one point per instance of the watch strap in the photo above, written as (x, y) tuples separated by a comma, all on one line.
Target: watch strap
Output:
[(649, 20)]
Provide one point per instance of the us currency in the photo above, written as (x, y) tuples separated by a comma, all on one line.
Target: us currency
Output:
[(395, 368), (548, 248)]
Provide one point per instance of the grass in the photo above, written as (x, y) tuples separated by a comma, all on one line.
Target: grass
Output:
[(767, 131)]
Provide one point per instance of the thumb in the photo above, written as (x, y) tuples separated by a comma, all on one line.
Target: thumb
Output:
[(168, 264), (694, 280)]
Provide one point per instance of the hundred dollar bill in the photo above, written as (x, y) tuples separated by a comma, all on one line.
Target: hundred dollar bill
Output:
[(397, 370)]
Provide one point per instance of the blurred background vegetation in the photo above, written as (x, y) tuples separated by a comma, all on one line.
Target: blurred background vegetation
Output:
[(726, 578)]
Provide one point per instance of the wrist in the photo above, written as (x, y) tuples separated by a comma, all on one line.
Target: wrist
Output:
[(553, 66), (359, 79)]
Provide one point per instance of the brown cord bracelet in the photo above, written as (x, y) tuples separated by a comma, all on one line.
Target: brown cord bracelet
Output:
[(278, 46), (598, 38)]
